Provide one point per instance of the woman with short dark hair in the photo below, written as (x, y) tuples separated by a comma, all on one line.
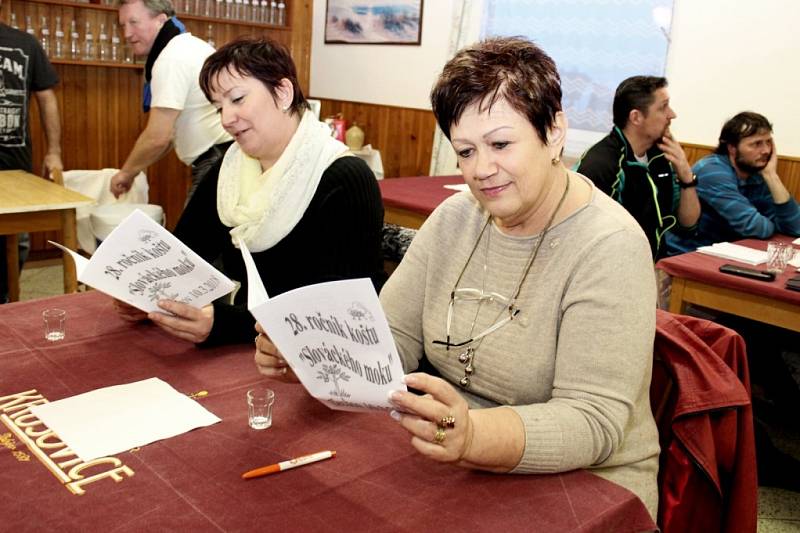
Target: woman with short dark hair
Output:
[(306, 208), (529, 301)]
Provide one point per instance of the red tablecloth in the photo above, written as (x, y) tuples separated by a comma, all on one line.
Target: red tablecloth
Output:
[(420, 194), (705, 268), (192, 482)]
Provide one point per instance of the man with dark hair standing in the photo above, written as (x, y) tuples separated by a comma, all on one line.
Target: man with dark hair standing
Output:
[(739, 188), (641, 166), (25, 71), (179, 113)]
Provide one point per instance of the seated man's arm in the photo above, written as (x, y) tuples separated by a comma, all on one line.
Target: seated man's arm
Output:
[(718, 186), (151, 146), (689, 204), (787, 212)]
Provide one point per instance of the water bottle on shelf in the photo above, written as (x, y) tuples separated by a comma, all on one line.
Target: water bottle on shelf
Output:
[(45, 36), (281, 19), (74, 41), (263, 11), (14, 21), (29, 29), (88, 43), (273, 12), (102, 44), (219, 9), (210, 36), (115, 49), (58, 50), (228, 9)]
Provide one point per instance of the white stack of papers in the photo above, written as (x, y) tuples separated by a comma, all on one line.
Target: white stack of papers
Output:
[(735, 252), (115, 419)]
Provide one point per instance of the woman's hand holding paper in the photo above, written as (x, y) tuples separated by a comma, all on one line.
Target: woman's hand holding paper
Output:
[(269, 360), (184, 321)]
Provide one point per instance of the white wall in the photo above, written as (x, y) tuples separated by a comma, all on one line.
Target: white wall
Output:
[(726, 56), (397, 75)]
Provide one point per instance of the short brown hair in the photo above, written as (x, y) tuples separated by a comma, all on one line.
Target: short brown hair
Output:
[(263, 59), (512, 68)]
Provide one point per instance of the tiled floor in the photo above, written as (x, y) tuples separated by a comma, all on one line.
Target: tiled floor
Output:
[(779, 510)]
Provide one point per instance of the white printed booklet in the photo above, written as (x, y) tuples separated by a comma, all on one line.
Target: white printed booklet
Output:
[(335, 338), (141, 263)]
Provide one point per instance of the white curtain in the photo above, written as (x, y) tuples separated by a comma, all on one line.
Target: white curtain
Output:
[(466, 30)]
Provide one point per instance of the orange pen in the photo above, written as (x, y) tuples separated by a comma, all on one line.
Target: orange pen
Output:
[(291, 463)]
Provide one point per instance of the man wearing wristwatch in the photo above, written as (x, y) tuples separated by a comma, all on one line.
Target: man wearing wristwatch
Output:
[(739, 189), (641, 166)]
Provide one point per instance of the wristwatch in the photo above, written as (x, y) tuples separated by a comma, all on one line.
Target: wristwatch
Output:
[(689, 185)]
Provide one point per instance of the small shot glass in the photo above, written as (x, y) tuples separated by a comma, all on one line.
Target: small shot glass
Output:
[(259, 407), (55, 323)]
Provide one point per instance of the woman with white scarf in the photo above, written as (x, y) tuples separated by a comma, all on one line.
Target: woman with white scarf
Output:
[(306, 208)]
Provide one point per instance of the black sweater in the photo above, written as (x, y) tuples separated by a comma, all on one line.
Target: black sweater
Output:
[(338, 237)]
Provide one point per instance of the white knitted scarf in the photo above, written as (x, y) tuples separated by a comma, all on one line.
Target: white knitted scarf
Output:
[(282, 193)]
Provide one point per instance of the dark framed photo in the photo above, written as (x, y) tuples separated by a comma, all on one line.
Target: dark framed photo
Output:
[(373, 21)]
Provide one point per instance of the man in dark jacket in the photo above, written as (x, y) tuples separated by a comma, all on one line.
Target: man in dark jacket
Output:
[(640, 164)]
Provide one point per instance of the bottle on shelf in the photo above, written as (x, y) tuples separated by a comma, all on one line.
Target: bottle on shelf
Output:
[(44, 32), (58, 45), (219, 9), (210, 36), (116, 56), (228, 9), (263, 14), (102, 44), (199, 7), (29, 29), (14, 21), (89, 52), (237, 9), (273, 12), (74, 41), (187, 7), (281, 19)]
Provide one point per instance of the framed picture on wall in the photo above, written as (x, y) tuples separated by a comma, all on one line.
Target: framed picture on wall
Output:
[(373, 21)]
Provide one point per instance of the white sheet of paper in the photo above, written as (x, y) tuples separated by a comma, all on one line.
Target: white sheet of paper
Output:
[(140, 263), (736, 252), (115, 419), (457, 187), (335, 338)]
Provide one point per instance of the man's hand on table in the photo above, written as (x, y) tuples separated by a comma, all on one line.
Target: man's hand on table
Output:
[(269, 360), (184, 321)]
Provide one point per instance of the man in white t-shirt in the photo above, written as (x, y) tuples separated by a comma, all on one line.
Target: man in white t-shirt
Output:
[(179, 114)]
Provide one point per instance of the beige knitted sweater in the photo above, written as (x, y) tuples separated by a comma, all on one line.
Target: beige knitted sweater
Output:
[(576, 362)]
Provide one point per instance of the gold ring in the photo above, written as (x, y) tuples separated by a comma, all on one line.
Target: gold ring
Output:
[(448, 421), (439, 436)]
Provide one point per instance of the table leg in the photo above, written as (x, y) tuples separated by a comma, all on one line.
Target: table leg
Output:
[(12, 266), (676, 303), (70, 240)]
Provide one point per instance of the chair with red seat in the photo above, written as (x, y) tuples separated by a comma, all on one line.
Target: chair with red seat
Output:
[(700, 394)]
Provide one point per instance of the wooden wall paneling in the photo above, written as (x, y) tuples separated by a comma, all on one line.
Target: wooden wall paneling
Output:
[(404, 136), (100, 104)]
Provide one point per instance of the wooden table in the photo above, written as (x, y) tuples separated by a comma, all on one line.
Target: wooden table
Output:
[(408, 201), (191, 482), (29, 203), (696, 280)]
